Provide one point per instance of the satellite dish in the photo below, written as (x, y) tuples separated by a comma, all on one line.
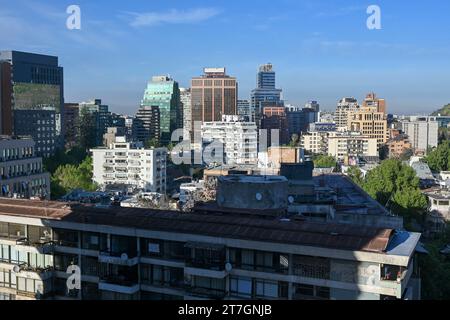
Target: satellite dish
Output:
[(16, 269), (259, 196), (124, 256), (291, 199), (228, 267)]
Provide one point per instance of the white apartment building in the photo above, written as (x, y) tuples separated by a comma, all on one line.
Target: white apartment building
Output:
[(130, 164), (343, 109), (352, 145), (239, 139), (422, 132), (438, 210), (316, 142), (21, 171)]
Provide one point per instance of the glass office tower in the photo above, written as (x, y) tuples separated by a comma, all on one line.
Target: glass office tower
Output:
[(164, 93)]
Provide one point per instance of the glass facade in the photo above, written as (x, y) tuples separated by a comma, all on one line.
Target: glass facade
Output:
[(164, 93)]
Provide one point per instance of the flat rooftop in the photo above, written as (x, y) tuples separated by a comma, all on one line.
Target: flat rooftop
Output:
[(215, 224), (349, 194)]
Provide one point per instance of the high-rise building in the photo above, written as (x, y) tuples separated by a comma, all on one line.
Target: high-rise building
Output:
[(244, 109), (275, 118), (146, 124), (130, 128), (6, 99), (130, 164), (99, 118), (213, 95), (314, 105), (163, 92), (186, 101), (372, 101), (371, 123), (343, 109), (266, 94), (422, 132), (37, 89), (71, 123), (239, 139), (299, 120), (22, 174)]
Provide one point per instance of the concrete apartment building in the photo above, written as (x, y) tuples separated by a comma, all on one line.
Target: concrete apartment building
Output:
[(370, 122), (316, 142), (130, 164), (372, 100), (217, 252), (21, 171), (352, 145), (422, 133), (343, 109), (239, 139), (438, 210), (398, 145)]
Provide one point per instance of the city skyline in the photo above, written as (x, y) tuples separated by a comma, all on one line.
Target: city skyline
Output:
[(320, 50)]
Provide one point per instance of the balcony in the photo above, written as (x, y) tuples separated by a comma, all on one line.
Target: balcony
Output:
[(395, 280), (207, 293), (121, 286), (43, 246), (121, 259), (30, 272)]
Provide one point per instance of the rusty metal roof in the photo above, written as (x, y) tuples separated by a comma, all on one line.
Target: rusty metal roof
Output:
[(232, 225)]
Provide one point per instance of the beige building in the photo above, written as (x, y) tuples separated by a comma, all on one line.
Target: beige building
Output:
[(371, 123), (316, 142), (372, 100), (352, 145), (343, 109)]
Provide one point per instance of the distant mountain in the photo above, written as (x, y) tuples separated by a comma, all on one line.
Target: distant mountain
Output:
[(445, 111)]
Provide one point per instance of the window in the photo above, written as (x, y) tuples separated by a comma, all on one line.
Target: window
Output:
[(66, 238), (266, 289), (93, 241), (241, 287)]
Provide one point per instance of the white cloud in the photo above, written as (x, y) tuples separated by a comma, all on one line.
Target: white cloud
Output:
[(173, 17)]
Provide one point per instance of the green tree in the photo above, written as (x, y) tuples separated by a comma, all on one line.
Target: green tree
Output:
[(439, 158), (322, 161), (69, 177), (355, 174), (396, 185), (152, 143)]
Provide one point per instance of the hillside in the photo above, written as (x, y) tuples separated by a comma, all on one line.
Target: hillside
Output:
[(445, 111)]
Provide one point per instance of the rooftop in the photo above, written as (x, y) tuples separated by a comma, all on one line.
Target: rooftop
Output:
[(234, 226), (349, 194)]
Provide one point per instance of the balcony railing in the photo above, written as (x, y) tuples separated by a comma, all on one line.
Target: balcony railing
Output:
[(44, 246), (208, 293), (311, 271)]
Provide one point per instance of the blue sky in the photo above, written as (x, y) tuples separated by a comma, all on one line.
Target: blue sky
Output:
[(321, 49)]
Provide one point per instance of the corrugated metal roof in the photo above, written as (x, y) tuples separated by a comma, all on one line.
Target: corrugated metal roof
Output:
[(344, 237)]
